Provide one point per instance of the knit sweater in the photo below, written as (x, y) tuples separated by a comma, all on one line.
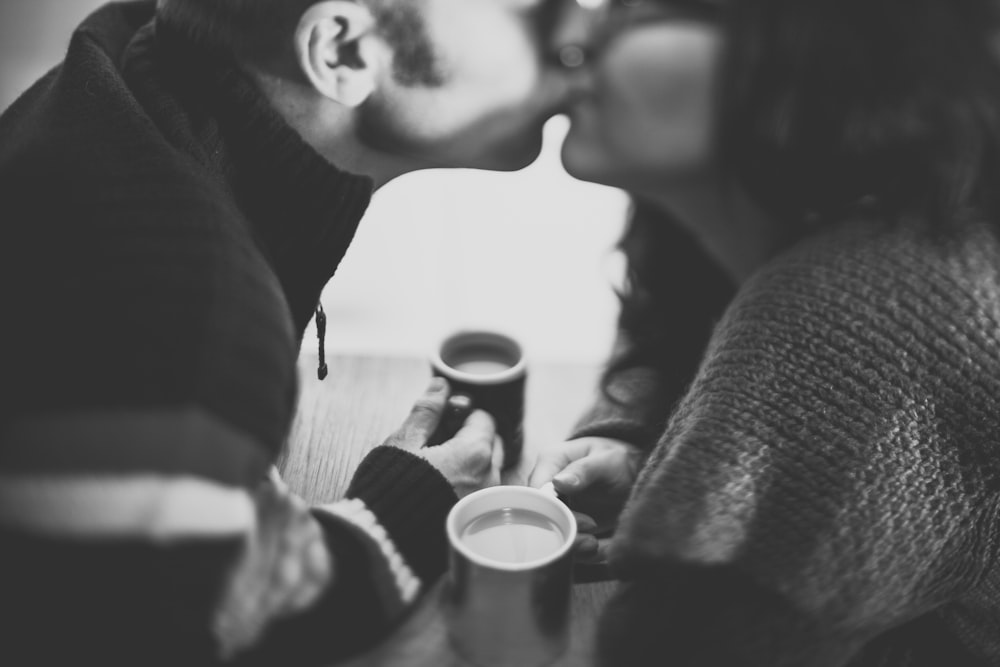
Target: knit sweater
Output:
[(826, 490), (166, 237)]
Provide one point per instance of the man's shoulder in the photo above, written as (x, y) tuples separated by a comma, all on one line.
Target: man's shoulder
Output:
[(79, 145), (58, 206), (85, 175), (104, 209)]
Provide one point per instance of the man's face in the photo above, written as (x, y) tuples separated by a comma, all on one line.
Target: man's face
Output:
[(487, 98)]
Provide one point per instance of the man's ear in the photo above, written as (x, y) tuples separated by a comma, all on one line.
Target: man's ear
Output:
[(334, 47)]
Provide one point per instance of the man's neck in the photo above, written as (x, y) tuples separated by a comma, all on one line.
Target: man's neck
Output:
[(732, 229), (329, 128)]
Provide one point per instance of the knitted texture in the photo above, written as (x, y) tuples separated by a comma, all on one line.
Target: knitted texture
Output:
[(411, 500), (166, 239), (831, 476)]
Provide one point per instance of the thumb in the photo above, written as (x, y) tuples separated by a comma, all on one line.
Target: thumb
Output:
[(555, 459), (424, 417), (478, 427), (579, 474), (498, 453)]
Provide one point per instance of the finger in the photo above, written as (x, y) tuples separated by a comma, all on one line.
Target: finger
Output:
[(603, 549), (479, 427), (317, 567), (425, 415), (285, 568), (582, 473), (584, 523), (456, 411), (585, 547), (303, 570), (591, 557), (590, 550), (498, 454), (553, 459)]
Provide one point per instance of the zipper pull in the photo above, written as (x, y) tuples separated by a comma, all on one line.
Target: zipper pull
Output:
[(322, 370)]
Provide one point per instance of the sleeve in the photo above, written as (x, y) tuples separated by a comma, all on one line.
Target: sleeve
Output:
[(149, 374), (149, 379), (170, 571), (822, 482), (663, 326), (385, 550)]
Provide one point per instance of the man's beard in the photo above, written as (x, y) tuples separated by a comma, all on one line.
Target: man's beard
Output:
[(380, 129)]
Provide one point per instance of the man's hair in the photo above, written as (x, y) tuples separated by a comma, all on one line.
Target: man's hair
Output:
[(264, 28)]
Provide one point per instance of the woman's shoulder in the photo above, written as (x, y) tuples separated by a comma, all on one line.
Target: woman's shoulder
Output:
[(900, 299), (880, 264)]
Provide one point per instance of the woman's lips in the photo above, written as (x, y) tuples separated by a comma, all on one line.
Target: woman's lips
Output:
[(582, 108)]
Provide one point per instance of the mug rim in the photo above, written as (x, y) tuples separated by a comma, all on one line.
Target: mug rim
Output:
[(457, 544), (516, 371)]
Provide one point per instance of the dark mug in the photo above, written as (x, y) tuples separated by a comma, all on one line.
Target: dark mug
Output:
[(487, 371)]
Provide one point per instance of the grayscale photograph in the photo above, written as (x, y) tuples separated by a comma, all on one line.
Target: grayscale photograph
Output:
[(500, 333)]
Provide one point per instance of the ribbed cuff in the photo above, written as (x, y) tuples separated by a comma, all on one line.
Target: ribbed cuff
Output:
[(411, 500)]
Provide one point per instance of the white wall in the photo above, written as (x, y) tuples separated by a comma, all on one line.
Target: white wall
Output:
[(526, 252), (34, 35)]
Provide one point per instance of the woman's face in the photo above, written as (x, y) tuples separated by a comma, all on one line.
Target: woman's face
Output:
[(645, 114)]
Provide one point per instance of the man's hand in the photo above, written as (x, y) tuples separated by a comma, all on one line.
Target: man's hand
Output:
[(596, 476), (284, 568), (471, 460)]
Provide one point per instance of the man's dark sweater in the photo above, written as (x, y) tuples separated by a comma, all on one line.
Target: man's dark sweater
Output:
[(166, 240)]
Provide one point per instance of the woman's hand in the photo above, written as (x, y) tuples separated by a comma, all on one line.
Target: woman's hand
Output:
[(471, 460), (595, 475)]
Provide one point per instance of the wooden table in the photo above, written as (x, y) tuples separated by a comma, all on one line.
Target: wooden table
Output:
[(363, 400)]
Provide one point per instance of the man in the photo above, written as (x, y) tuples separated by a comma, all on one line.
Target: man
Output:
[(175, 196)]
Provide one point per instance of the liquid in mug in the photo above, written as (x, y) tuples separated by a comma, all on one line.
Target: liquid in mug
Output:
[(482, 367), (513, 535)]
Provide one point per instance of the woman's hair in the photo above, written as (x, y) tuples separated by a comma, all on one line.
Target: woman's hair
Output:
[(826, 106), (671, 296), (825, 103)]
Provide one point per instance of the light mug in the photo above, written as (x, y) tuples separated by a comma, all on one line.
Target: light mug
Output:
[(490, 369), (507, 596)]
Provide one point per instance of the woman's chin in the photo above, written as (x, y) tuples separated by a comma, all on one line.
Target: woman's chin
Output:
[(583, 162)]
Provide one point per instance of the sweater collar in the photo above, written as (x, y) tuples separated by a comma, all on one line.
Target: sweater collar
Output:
[(303, 210)]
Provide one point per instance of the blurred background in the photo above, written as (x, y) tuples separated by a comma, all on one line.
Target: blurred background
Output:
[(528, 252)]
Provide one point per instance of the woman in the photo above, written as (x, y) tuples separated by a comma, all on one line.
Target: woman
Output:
[(808, 366)]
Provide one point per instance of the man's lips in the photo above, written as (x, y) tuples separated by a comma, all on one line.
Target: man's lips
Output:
[(569, 104), (581, 106)]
